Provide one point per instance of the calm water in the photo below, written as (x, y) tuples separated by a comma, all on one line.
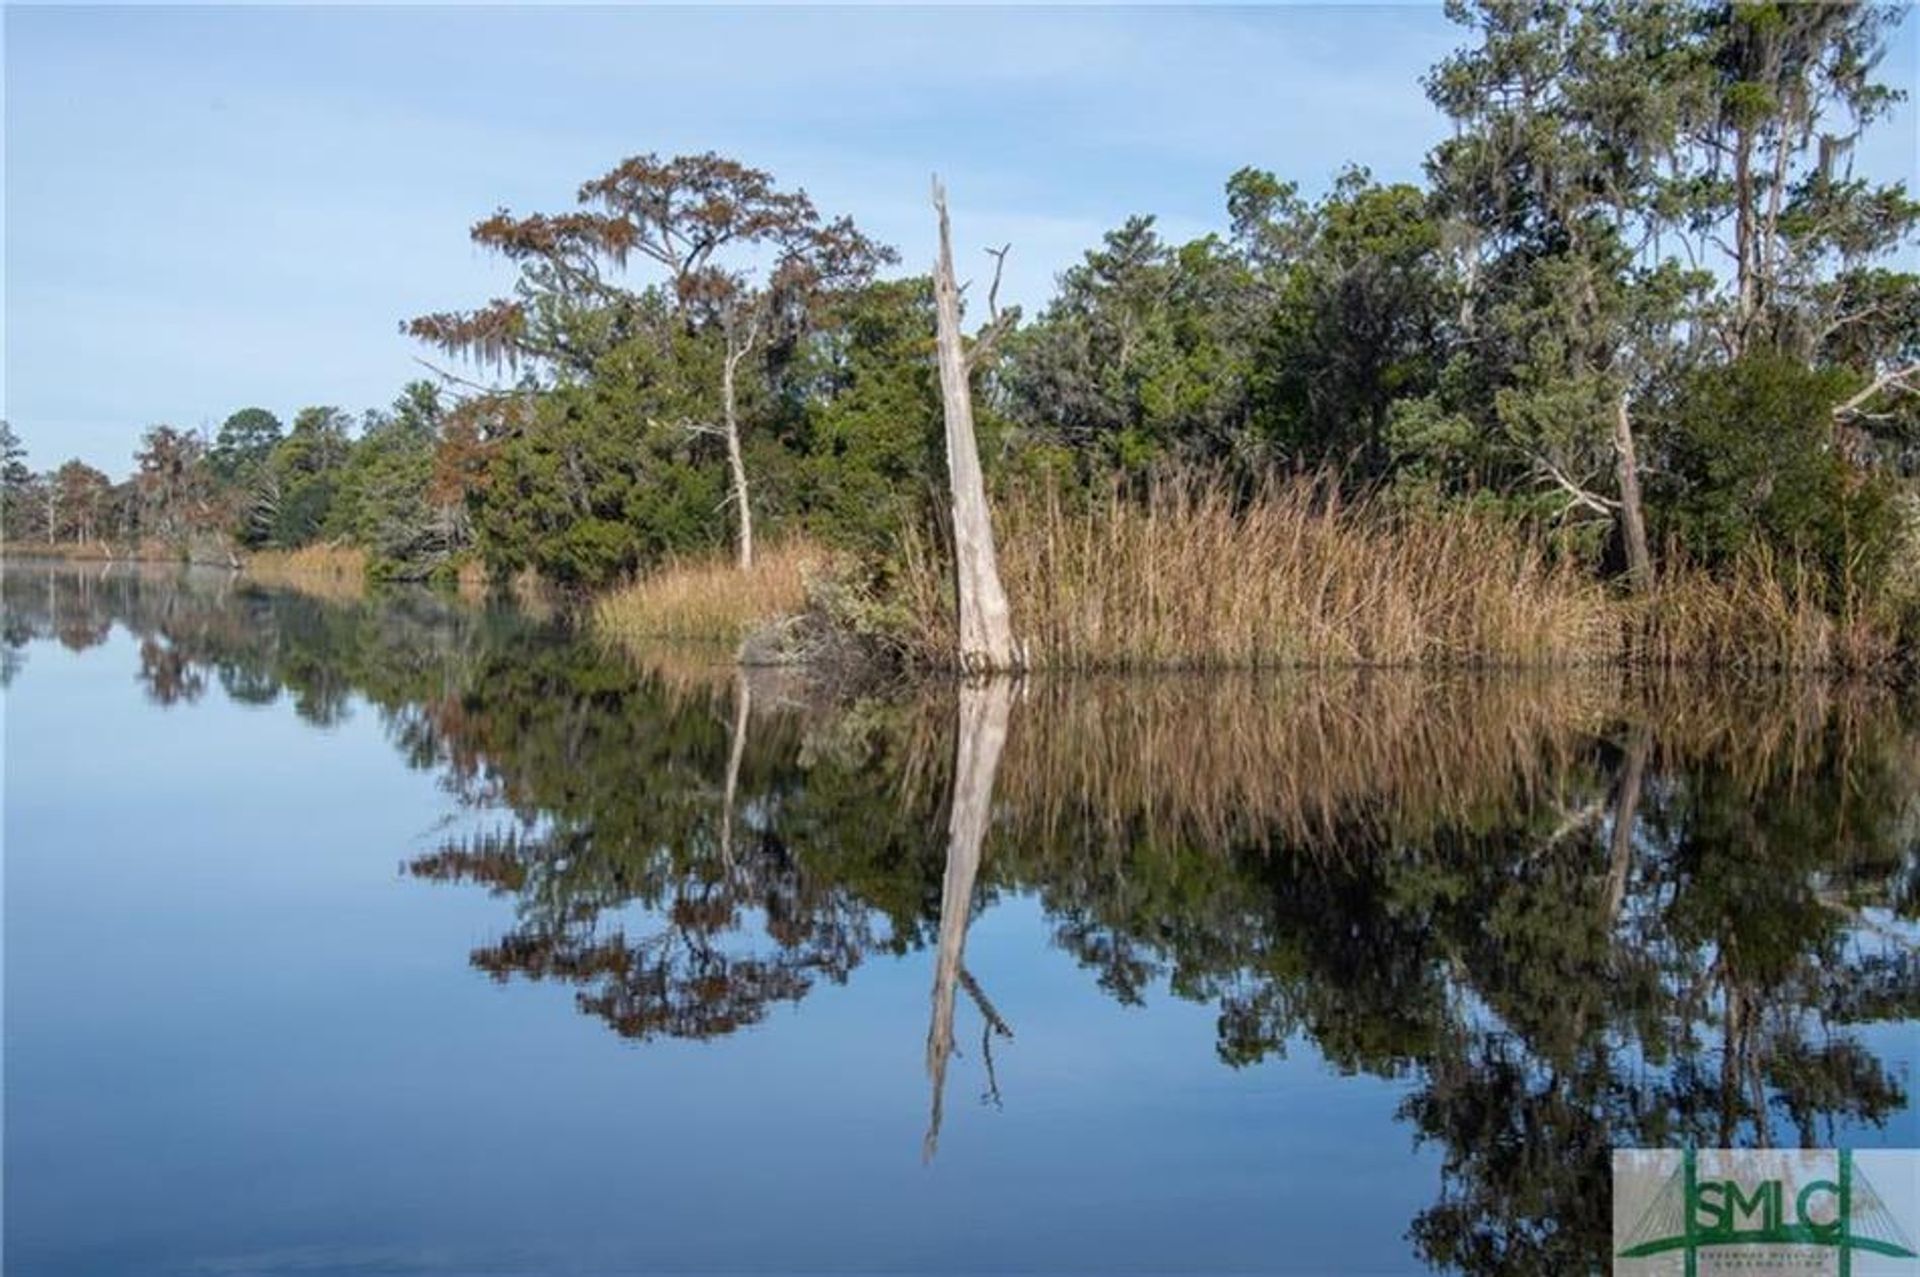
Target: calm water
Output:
[(399, 936)]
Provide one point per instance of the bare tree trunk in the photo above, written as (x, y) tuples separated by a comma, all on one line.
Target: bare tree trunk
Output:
[(1633, 520), (986, 630), (981, 734), (1746, 266), (736, 465)]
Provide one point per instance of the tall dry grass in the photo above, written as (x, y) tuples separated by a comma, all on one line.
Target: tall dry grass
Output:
[(1190, 577), (1763, 613), (711, 598), (339, 570)]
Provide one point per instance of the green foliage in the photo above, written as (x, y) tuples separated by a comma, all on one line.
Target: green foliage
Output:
[(384, 500), (16, 485), (246, 440), (871, 450), (603, 478), (1640, 260), (295, 489), (1355, 327), (1750, 458), (1142, 356)]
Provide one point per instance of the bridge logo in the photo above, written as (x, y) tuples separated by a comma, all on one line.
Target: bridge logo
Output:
[(1826, 1211)]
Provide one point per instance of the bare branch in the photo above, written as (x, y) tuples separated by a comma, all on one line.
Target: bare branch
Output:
[(455, 379), (997, 323), (1899, 379), (1580, 495), (999, 256), (987, 1011)]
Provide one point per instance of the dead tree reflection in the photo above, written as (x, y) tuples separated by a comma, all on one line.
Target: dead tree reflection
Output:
[(980, 737)]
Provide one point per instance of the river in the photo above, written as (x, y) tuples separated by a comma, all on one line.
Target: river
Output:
[(402, 934)]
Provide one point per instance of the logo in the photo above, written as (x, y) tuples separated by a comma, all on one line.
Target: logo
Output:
[(1692, 1212)]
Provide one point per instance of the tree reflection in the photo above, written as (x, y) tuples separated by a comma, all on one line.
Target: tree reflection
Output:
[(980, 734), (1571, 914)]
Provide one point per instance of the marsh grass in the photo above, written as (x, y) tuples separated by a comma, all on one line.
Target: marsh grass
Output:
[(1190, 575), (331, 570), (1194, 574), (711, 598), (1764, 612)]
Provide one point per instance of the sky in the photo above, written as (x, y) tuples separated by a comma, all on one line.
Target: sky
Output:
[(209, 208)]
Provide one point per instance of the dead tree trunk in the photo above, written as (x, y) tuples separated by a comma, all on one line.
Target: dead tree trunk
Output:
[(1633, 520), (980, 736), (986, 630), (736, 464)]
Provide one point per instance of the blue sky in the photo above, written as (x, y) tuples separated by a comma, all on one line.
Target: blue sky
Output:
[(213, 207)]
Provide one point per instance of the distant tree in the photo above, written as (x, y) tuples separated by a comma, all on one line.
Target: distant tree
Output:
[(294, 495), (83, 495), (245, 441), (174, 482), (16, 486), (385, 498)]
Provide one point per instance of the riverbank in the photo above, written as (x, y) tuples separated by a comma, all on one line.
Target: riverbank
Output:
[(204, 552)]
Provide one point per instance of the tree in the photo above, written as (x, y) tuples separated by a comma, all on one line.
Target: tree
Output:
[(16, 484), (1562, 119), (385, 498), (986, 629), (1144, 354), (871, 446), (744, 262), (1356, 320), (1652, 191), (294, 495), (243, 444), (174, 485), (1791, 90), (82, 497), (1747, 459), (1786, 92)]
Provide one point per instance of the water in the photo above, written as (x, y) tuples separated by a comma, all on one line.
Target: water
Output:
[(401, 935)]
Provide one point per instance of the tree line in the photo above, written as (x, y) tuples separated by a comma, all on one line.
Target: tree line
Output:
[(257, 484), (1642, 300)]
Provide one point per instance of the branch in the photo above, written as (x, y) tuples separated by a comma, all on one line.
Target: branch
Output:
[(736, 354), (997, 323), (690, 427), (987, 1012), (1581, 496), (455, 379), (1898, 379)]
